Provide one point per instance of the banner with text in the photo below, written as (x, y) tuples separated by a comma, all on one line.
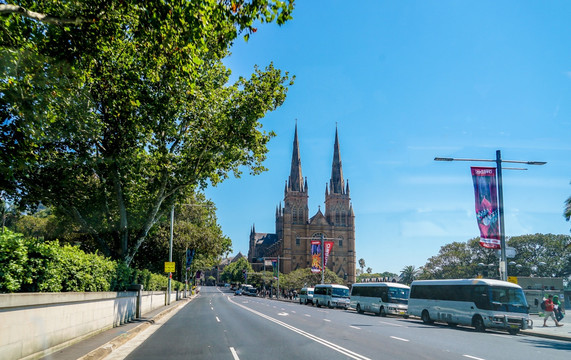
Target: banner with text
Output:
[(189, 257), (315, 256), (487, 214), (328, 245)]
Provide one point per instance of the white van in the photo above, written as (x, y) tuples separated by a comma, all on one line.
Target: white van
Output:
[(331, 295), (381, 298), (306, 295)]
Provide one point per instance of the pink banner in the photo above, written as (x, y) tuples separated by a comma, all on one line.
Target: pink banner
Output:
[(315, 256), (328, 245), (487, 214)]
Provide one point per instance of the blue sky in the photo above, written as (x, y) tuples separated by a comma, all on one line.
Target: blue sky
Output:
[(404, 82)]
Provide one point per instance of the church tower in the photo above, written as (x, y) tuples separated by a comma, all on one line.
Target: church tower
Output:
[(295, 228), (339, 214), (293, 218)]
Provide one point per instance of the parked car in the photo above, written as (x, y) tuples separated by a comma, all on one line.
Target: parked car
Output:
[(306, 295), (238, 292)]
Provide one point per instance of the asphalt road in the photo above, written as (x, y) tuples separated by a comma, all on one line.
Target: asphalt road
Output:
[(218, 325)]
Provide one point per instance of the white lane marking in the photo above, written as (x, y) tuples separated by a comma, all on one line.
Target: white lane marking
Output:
[(354, 327), (283, 314), (234, 354), (327, 320), (473, 357), (388, 323), (340, 349), (293, 311), (398, 338), (217, 319), (307, 315), (211, 308)]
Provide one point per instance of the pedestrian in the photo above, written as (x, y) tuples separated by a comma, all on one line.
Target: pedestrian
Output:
[(549, 311), (557, 308)]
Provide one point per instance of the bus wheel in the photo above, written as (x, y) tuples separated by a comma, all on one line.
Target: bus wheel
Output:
[(426, 317), (299, 301), (317, 303), (478, 323), (359, 309), (329, 305), (513, 331), (382, 312)]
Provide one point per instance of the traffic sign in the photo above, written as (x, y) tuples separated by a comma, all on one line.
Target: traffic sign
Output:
[(169, 266)]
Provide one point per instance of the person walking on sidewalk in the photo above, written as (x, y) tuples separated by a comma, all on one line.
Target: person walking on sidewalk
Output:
[(549, 311)]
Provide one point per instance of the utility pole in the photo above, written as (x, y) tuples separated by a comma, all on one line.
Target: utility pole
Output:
[(503, 266)]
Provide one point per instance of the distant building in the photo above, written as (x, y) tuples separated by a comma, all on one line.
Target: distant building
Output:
[(294, 227)]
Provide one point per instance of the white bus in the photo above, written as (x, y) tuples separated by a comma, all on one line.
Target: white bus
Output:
[(481, 303), (331, 295), (381, 298)]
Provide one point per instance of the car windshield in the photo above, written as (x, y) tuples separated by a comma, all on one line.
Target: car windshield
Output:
[(337, 292)]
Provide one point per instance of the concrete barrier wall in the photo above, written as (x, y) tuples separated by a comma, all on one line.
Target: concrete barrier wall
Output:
[(35, 324)]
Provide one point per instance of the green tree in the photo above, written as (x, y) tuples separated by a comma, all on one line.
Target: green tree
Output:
[(300, 278), (362, 264), (234, 272), (409, 274), (114, 110)]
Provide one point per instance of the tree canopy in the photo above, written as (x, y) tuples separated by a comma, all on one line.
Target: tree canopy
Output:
[(545, 255), (113, 111)]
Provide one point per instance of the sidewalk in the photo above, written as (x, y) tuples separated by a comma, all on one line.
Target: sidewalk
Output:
[(551, 331), (100, 345)]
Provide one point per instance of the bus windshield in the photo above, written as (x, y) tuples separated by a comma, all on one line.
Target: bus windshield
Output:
[(337, 292), (398, 295), (507, 299)]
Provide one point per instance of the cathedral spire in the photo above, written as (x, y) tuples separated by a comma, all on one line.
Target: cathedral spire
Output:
[(295, 176), (336, 182)]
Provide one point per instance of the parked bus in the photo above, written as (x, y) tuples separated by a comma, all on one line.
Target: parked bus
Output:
[(331, 295), (481, 303), (381, 298), (306, 295)]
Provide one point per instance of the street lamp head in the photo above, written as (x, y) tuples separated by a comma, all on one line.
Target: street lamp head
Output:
[(443, 159), (536, 162)]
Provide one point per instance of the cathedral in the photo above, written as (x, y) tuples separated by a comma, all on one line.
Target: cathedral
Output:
[(295, 229)]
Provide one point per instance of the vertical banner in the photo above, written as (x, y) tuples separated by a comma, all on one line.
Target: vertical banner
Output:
[(275, 266), (189, 257), (315, 256), (487, 212), (328, 245)]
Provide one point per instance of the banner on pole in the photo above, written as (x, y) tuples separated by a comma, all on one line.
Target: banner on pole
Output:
[(315, 256), (487, 212), (328, 245), (267, 262), (275, 266), (189, 257)]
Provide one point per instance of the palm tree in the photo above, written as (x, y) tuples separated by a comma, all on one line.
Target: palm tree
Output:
[(409, 274), (362, 264)]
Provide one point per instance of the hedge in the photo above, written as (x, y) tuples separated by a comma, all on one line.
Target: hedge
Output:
[(31, 265)]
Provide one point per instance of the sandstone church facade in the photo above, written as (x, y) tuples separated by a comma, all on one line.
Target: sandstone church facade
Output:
[(294, 228)]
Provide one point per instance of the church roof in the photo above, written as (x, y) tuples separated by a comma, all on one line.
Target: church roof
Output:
[(265, 239), (318, 219)]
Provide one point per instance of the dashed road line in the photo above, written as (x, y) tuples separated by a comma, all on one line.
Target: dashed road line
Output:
[(354, 327), (398, 338), (473, 357), (234, 354)]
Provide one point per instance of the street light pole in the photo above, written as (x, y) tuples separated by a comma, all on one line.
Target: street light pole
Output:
[(503, 266), (170, 256)]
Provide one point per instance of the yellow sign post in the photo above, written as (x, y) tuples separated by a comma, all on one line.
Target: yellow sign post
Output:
[(169, 266), (512, 279)]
